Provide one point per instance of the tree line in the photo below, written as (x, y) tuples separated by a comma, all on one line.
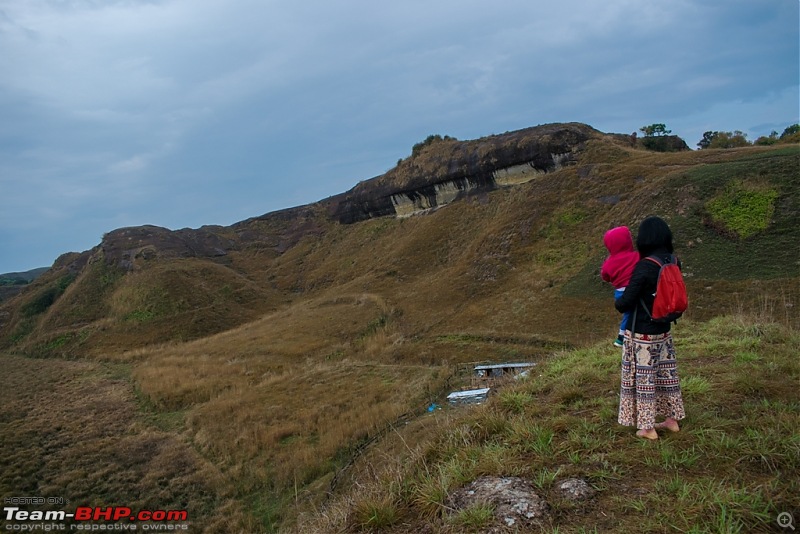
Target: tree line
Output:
[(737, 138)]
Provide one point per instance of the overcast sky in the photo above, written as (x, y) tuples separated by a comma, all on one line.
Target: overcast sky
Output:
[(181, 113)]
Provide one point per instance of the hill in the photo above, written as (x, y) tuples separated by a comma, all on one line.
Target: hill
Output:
[(249, 364), (526, 226), (12, 283), (27, 276)]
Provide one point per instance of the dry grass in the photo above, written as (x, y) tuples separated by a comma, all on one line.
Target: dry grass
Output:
[(74, 430), (282, 403)]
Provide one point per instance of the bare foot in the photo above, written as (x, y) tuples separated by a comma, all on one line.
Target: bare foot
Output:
[(650, 433), (670, 424)]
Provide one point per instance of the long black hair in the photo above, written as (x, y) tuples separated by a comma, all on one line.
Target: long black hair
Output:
[(654, 236)]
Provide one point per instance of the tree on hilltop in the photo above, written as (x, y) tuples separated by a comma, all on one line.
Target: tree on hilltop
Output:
[(658, 138), (708, 137), (734, 139), (737, 138), (791, 132), (655, 130), (765, 140)]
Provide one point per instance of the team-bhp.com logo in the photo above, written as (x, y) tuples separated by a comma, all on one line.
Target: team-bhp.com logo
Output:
[(123, 517)]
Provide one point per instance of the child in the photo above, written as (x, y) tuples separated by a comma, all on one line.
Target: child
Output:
[(618, 267)]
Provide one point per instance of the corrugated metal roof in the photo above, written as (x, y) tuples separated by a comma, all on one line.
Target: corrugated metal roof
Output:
[(503, 366), (468, 393)]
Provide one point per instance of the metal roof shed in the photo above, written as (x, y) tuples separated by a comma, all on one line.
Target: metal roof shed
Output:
[(470, 396)]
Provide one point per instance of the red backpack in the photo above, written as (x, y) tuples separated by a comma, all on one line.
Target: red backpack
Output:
[(671, 299)]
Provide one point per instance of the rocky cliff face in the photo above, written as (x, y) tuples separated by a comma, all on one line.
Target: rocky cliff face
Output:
[(132, 247), (125, 245), (449, 169)]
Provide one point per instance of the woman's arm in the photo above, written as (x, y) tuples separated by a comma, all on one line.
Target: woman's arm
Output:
[(635, 289)]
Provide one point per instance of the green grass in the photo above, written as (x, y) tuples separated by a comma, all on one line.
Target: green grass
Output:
[(140, 316), (738, 212), (743, 209), (474, 518), (726, 471)]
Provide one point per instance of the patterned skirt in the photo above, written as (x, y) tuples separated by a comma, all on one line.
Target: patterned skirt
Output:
[(650, 387)]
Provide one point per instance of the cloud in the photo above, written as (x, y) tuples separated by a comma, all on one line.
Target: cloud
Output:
[(130, 165), (242, 107)]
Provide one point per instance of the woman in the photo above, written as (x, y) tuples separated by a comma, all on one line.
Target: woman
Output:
[(650, 386)]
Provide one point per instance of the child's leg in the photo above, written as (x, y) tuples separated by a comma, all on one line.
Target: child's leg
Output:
[(617, 294), (624, 322)]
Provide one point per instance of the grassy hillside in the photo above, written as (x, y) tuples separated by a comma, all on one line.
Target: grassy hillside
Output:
[(246, 441), (732, 468), (273, 379), (492, 259)]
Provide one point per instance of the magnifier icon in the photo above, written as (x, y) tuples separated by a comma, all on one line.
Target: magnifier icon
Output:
[(785, 520)]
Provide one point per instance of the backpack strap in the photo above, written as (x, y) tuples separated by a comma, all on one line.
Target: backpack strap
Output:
[(657, 261), (650, 315)]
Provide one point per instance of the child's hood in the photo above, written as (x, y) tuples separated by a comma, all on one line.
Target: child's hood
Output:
[(618, 240)]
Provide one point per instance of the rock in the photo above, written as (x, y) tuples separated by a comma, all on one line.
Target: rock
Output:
[(576, 489), (514, 500), (611, 200), (122, 247)]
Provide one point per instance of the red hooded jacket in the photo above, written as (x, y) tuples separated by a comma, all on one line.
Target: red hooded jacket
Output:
[(618, 267)]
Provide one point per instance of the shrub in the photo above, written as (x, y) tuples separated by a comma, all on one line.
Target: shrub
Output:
[(431, 139), (45, 298), (664, 143), (734, 139), (790, 131), (767, 140), (790, 134), (724, 140), (4, 281)]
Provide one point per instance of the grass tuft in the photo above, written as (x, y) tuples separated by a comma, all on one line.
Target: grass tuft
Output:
[(474, 518)]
